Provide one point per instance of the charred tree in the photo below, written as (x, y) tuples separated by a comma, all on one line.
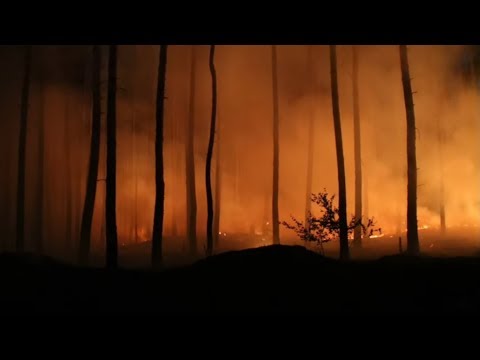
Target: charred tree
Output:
[(159, 212), (190, 162), (91, 189), (440, 136), (308, 193), (413, 246), (111, 182), (275, 220), (357, 233), (218, 190), (211, 141), (342, 194), (68, 176), (41, 172), (22, 145)]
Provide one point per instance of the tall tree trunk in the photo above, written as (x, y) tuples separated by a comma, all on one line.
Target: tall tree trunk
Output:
[(111, 182), (134, 169), (91, 189), (68, 176), (413, 246), (357, 235), (208, 167), (443, 226), (157, 235), (22, 145), (311, 129), (190, 163), (218, 190), (342, 193), (275, 221), (41, 170)]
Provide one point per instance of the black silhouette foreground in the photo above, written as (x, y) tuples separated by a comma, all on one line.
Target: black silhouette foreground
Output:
[(270, 279)]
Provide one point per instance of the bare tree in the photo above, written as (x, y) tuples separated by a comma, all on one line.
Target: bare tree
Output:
[(440, 137), (218, 189), (311, 129), (68, 175), (91, 189), (41, 172), (208, 167), (413, 245), (357, 234), (342, 194), (157, 235), (190, 162), (275, 218), (22, 145), (111, 182)]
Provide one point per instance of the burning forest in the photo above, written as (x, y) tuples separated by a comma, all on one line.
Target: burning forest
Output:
[(177, 152)]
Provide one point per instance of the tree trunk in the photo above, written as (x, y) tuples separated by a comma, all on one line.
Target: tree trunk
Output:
[(443, 226), (157, 235), (111, 182), (342, 194), (22, 145), (308, 193), (218, 190), (91, 189), (208, 167), (41, 171), (68, 176), (357, 236), (275, 221), (190, 163), (413, 246)]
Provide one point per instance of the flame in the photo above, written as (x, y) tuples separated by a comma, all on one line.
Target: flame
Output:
[(376, 236)]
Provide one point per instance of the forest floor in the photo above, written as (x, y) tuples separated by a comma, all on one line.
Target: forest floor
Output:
[(267, 279)]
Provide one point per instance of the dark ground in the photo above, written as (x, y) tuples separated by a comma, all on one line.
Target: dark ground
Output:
[(271, 279)]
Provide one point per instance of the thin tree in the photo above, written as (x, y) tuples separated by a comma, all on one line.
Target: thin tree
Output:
[(41, 171), (157, 234), (440, 137), (311, 129), (22, 145), (208, 167), (91, 189), (275, 217), (68, 175), (413, 246), (342, 194), (190, 162), (111, 181), (218, 189), (357, 234)]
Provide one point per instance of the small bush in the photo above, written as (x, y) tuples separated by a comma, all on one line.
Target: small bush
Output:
[(326, 227)]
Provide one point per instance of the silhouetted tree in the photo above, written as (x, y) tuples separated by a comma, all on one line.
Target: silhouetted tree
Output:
[(41, 172), (440, 137), (357, 234), (208, 167), (22, 145), (190, 162), (342, 194), (218, 189), (157, 234), (68, 174), (111, 182), (413, 246), (275, 219), (311, 129), (91, 189)]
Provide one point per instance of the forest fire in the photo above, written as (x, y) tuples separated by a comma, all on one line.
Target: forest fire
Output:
[(60, 116)]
